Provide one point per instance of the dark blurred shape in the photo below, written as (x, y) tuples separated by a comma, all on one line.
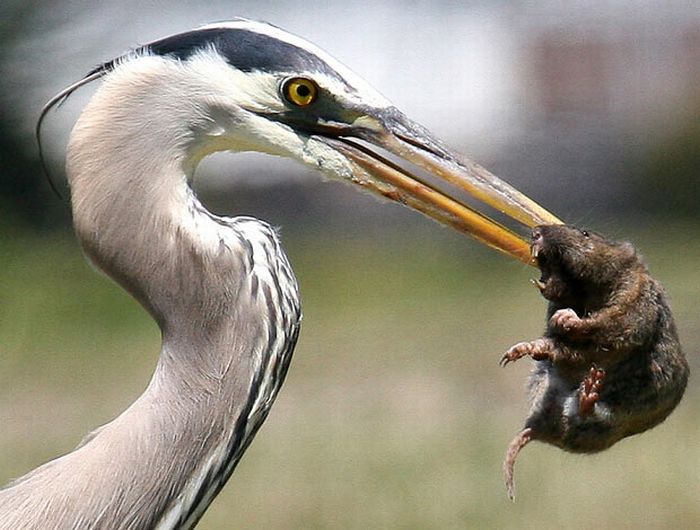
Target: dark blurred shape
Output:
[(670, 178), (23, 186), (22, 191)]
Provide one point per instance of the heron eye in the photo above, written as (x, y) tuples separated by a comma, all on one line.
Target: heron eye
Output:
[(300, 91)]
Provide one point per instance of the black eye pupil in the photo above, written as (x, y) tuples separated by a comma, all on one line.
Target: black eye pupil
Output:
[(299, 91)]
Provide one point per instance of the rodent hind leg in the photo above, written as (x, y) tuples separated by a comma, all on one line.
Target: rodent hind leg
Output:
[(589, 394), (539, 349)]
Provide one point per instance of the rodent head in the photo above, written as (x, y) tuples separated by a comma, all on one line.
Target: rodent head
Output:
[(576, 263)]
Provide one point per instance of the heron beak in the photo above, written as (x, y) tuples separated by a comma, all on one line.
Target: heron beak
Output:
[(412, 143)]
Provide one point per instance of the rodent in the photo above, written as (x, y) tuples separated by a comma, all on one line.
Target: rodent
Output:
[(610, 363)]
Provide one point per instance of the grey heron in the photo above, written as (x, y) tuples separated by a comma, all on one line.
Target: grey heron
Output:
[(221, 289)]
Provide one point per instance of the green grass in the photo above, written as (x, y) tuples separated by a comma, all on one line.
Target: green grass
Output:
[(395, 413)]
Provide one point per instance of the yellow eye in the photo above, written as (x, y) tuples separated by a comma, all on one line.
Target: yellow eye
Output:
[(300, 91)]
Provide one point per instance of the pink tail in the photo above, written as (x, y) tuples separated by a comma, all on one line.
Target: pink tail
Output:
[(521, 440)]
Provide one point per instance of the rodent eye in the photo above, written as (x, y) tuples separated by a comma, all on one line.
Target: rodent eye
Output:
[(585, 233), (300, 91)]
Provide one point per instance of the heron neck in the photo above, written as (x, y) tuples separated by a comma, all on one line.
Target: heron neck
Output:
[(130, 159), (221, 291)]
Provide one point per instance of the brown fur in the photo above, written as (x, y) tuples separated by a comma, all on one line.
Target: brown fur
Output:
[(610, 363)]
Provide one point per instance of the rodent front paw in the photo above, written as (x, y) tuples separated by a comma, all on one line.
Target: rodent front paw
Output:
[(538, 349), (521, 349), (564, 320)]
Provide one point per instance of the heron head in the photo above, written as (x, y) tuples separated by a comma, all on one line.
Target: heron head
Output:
[(263, 89)]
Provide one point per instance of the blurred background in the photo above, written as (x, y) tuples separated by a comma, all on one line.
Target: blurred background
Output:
[(395, 413)]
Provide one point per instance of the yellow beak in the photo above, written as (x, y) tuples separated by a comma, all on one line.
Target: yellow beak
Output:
[(412, 143)]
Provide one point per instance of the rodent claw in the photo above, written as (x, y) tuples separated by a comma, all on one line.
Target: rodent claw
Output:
[(564, 319)]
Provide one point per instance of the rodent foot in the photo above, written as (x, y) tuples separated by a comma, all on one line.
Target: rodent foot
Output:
[(591, 388)]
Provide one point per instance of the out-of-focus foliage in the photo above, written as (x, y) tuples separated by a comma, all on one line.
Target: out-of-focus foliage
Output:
[(395, 413)]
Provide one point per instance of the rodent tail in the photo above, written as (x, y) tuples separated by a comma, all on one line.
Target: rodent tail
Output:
[(521, 440)]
